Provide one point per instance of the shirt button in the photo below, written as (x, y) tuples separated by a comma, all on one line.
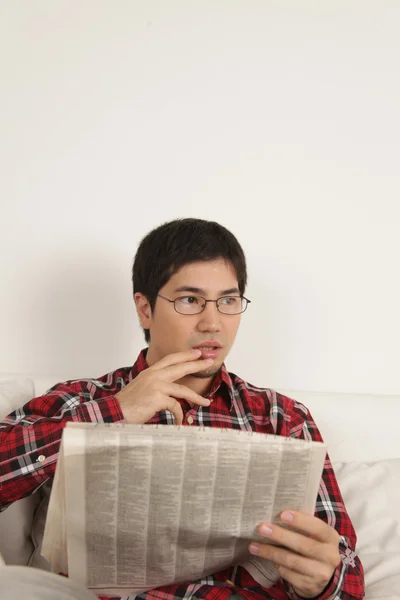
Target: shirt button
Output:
[(41, 458), (190, 419)]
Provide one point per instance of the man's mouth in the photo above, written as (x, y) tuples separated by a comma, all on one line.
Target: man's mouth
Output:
[(206, 347), (209, 351)]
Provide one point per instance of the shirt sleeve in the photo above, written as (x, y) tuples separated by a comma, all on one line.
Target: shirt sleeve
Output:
[(347, 582), (30, 436)]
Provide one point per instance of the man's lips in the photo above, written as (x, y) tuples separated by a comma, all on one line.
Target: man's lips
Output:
[(209, 349)]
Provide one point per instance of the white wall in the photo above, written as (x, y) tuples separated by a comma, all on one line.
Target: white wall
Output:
[(279, 119)]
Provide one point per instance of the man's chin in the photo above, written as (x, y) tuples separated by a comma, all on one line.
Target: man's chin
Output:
[(207, 373)]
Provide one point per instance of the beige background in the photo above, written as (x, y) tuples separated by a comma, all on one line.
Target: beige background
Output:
[(280, 119)]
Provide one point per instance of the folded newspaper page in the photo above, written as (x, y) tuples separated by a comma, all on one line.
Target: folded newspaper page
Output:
[(135, 507)]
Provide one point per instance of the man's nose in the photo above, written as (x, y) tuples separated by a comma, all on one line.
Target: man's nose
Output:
[(210, 318)]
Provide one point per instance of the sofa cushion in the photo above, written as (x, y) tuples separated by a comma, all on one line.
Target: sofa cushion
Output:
[(371, 492), (14, 393), (38, 525), (22, 583), (16, 521)]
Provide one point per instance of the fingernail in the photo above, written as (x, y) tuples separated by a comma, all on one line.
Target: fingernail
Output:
[(265, 530), (196, 350), (287, 516), (254, 548)]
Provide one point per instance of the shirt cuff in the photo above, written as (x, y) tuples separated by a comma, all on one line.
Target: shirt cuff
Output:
[(105, 410)]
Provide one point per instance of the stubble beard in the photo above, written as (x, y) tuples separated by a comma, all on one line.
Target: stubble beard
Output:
[(207, 373)]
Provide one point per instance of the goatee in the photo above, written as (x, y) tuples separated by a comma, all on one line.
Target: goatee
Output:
[(207, 373)]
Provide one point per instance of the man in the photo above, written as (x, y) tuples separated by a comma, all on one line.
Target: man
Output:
[(189, 280)]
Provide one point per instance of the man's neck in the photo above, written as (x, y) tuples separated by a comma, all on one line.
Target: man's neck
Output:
[(198, 384)]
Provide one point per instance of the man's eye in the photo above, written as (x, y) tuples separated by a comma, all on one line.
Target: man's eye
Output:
[(229, 301), (189, 299)]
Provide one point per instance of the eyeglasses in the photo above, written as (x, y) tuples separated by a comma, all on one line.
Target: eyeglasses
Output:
[(193, 305)]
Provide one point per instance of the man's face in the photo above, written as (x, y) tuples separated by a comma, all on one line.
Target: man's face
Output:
[(173, 332)]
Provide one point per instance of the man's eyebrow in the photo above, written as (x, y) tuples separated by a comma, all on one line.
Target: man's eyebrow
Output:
[(196, 290)]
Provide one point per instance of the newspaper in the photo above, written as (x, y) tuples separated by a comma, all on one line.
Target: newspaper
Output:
[(135, 507)]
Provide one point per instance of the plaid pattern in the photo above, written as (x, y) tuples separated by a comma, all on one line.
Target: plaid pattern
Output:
[(30, 440)]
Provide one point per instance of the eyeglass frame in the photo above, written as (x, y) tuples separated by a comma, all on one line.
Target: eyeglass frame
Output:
[(205, 304)]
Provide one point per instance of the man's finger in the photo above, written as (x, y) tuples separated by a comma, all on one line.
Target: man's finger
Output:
[(310, 526), (281, 557), (175, 408), (176, 358), (175, 372), (296, 542), (181, 391)]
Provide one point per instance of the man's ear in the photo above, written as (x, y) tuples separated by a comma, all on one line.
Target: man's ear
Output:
[(143, 309)]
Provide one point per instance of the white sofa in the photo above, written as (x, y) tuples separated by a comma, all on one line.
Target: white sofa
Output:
[(361, 432)]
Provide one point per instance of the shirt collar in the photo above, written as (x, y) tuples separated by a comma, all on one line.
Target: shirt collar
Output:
[(222, 382)]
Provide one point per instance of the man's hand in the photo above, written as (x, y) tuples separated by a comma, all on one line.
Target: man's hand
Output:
[(310, 554), (154, 389)]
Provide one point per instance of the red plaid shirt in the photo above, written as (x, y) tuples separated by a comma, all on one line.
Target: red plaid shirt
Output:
[(35, 430)]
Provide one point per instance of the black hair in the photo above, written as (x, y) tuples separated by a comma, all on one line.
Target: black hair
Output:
[(169, 247)]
